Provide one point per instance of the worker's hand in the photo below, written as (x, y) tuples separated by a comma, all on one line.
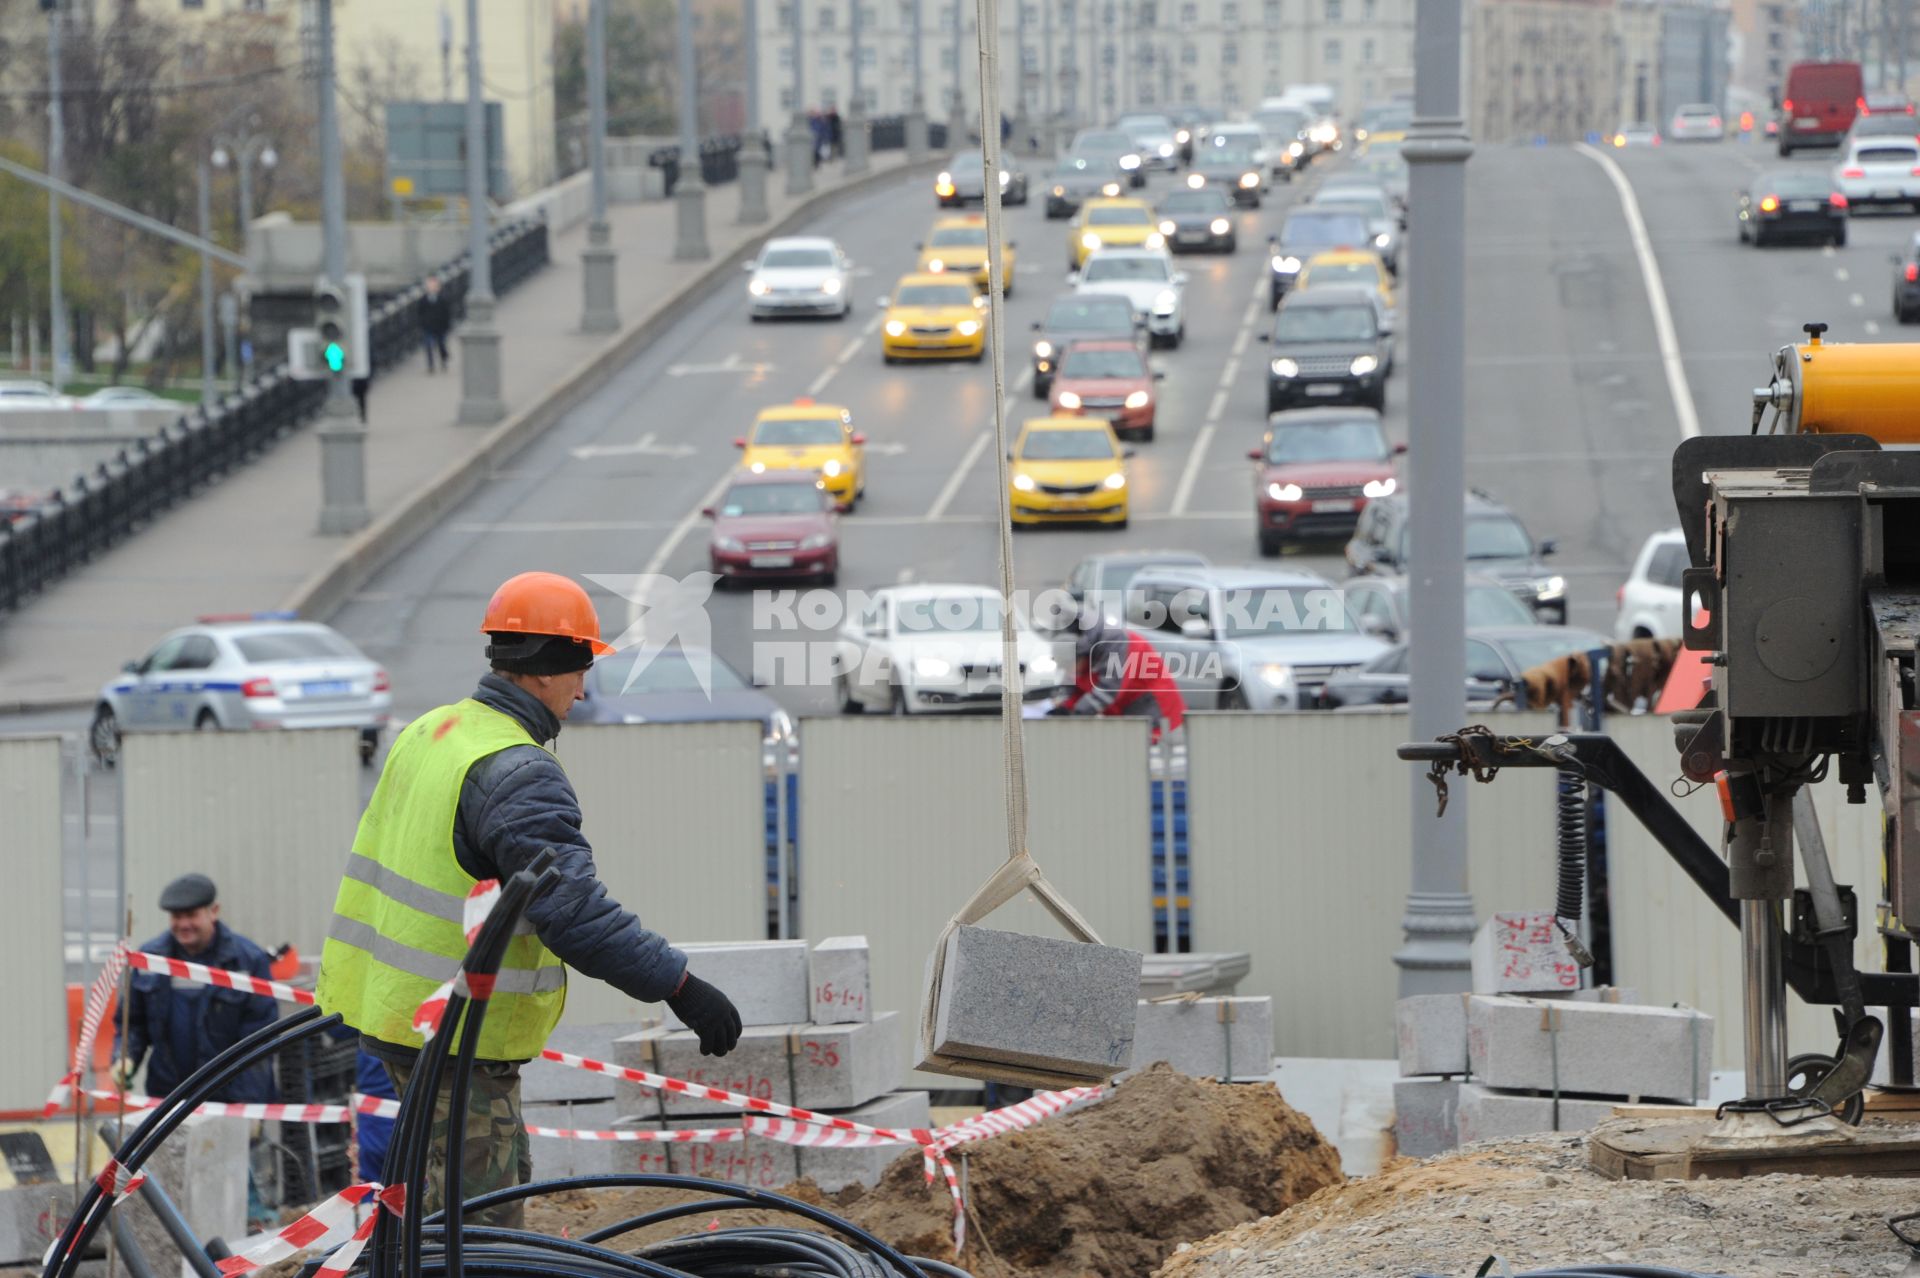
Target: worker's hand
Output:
[(1084, 707), (123, 1076), (1059, 708), (708, 1013)]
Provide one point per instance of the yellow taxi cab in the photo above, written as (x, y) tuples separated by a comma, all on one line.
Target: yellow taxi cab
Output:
[(804, 435), (1385, 139), (959, 245), (1103, 223), (1065, 469), (1360, 267), (934, 317)]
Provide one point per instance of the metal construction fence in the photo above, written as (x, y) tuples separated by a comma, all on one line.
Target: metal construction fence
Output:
[(120, 496), (1288, 837)]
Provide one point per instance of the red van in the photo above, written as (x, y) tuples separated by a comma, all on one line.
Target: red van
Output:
[(1820, 104)]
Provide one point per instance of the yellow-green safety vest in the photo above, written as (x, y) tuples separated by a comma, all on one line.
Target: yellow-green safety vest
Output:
[(397, 931)]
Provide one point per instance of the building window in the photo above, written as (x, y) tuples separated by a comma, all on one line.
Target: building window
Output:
[(1027, 15), (786, 97), (1233, 93), (829, 58), (1029, 59), (946, 57), (1273, 13), (1229, 54), (869, 57), (1189, 13), (827, 17), (1366, 53), (786, 57), (1332, 54), (1369, 10), (1189, 94), (1333, 11), (1146, 95), (1146, 15), (1066, 11), (1189, 55), (1229, 13), (869, 17), (785, 17)]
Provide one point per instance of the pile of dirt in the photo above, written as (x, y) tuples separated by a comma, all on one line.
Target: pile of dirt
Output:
[(1535, 1203)]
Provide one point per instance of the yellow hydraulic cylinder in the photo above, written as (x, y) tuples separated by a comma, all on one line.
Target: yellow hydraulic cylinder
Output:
[(1827, 388)]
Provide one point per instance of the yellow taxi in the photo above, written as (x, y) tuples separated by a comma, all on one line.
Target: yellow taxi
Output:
[(1385, 139), (1121, 223), (959, 245), (1358, 267), (804, 435), (934, 317), (1067, 469)]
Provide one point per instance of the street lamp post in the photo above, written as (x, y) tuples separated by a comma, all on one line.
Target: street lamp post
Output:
[(343, 437), (689, 192), (800, 144), (753, 139), (599, 263), (857, 140), (957, 106), (204, 207), (241, 155), (480, 400), (1048, 74), (1022, 126), (56, 164), (917, 104)]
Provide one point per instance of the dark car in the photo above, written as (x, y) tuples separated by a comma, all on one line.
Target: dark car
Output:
[(1104, 578), (1078, 317), (1190, 124), (1379, 603), (1496, 661), (1906, 282), (1329, 347), (1193, 220), (776, 523), (1315, 471), (1079, 178), (1498, 546), (965, 179), (667, 688), (1108, 379), (1374, 204), (1230, 163), (1306, 231), (1797, 203), (1113, 146)]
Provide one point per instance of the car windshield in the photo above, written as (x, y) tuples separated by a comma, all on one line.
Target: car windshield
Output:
[(1356, 440), (1079, 164), (1104, 270), (790, 259), (1884, 154), (1122, 215), (1118, 574), (960, 237), (1497, 537), (1325, 324), (1528, 653), (947, 614), (1793, 182), (1104, 143), (1145, 124), (790, 434), (1308, 229), (1283, 122), (1066, 445), (1252, 612), (1496, 606), (1102, 363), (1349, 200), (771, 499), (1194, 202), (966, 162), (1886, 125), (294, 645), (668, 670), (934, 295), (1090, 315), (1233, 155), (1342, 273)]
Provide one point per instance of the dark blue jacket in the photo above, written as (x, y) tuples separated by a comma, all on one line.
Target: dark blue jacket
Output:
[(178, 1026), (514, 804)]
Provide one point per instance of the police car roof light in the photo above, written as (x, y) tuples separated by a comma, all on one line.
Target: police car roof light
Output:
[(272, 615)]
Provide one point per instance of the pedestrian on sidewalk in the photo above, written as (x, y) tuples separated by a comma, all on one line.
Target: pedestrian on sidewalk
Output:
[(472, 791), (436, 321), (817, 126), (359, 387), (836, 140)]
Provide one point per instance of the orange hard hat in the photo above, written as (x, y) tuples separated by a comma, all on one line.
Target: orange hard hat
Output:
[(544, 603)]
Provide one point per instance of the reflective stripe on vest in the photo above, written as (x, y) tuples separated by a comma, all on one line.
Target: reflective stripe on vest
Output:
[(397, 932)]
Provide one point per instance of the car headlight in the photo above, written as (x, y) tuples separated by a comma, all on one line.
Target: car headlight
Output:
[(1276, 676), (1069, 400), (1110, 190), (935, 265), (1115, 480), (1005, 177), (1284, 492), (830, 286), (832, 468), (1166, 150), (1089, 240), (727, 543), (932, 667), (1183, 137), (815, 541), (1043, 665), (1362, 365), (1137, 400), (1380, 240), (944, 179), (1042, 350), (1284, 367), (1249, 180), (967, 328), (1550, 588), (1166, 228), (758, 468), (1129, 162), (1295, 149), (1164, 303), (758, 288), (1219, 226), (1287, 265), (1023, 482), (1059, 190), (895, 328), (1380, 487), (1195, 181), (1156, 240)]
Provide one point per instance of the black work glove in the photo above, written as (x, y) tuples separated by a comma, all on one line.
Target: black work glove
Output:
[(1059, 709), (708, 1013), (1084, 707)]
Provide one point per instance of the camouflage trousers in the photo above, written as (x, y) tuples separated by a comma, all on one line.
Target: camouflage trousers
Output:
[(494, 1154)]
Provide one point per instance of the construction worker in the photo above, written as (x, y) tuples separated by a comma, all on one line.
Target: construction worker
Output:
[(1117, 671), (470, 791)]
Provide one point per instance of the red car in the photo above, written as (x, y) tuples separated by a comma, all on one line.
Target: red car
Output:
[(777, 523), (1317, 469), (1107, 379)]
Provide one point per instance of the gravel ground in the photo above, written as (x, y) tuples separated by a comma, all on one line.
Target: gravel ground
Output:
[(1534, 1203)]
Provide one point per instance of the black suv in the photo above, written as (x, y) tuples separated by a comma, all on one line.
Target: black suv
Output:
[(1079, 317), (1498, 546), (1306, 231), (1329, 347)]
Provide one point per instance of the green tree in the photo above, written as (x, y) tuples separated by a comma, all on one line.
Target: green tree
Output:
[(640, 75)]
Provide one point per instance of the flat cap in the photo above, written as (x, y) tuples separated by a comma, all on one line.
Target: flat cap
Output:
[(188, 892)]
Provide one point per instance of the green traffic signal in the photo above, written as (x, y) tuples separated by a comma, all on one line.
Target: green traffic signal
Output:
[(336, 356)]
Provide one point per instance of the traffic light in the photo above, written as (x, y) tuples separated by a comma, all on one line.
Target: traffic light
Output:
[(330, 321)]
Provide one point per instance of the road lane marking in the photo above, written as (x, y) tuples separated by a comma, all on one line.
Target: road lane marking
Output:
[(1216, 409), (952, 486), (1856, 300), (1663, 332), (1872, 328), (1192, 472), (1839, 272), (568, 526)]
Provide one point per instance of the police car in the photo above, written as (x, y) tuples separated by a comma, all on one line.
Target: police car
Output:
[(245, 672)]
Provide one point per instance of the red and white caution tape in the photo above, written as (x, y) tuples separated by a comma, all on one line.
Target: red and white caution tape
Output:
[(331, 1222), (1013, 1117), (98, 996), (811, 1135), (692, 1136), (480, 902), (116, 1182), (201, 974)]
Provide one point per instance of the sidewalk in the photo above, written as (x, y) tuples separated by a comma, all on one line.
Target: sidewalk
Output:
[(248, 543)]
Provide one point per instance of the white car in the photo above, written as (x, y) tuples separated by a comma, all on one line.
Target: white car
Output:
[(1879, 170), (1149, 282), (1154, 135), (931, 649), (1697, 122), (798, 275), (19, 393), (1250, 134), (1650, 600), (128, 397)]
